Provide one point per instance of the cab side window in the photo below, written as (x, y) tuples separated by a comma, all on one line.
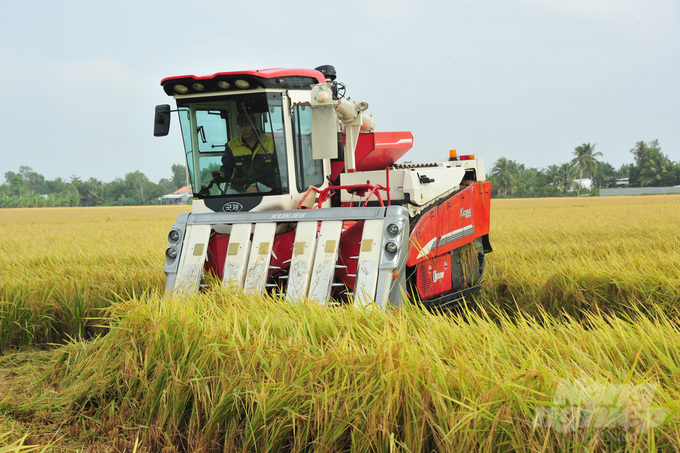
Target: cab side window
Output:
[(309, 171)]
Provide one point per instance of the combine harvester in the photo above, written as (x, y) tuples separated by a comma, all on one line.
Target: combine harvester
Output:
[(295, 195)]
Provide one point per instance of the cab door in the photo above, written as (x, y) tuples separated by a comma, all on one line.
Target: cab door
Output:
[(307, 170)]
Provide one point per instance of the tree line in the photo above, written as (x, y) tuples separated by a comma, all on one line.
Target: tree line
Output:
[(651, 168), (30, 189)]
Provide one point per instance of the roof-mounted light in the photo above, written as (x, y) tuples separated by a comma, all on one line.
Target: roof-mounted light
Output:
[(242, 84), (468, 157), (181, 89), (223, 84), (198, 86)]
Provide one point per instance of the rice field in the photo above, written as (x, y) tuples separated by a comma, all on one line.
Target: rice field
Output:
[(574, 346), (615, 254), (61, 266)]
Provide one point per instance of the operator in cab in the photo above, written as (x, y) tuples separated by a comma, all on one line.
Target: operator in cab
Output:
[(249, 160)]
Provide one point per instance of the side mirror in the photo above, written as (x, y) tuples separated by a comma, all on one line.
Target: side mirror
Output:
[(161, 124)]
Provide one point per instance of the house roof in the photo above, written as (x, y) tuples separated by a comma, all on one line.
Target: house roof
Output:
[(182, 190)]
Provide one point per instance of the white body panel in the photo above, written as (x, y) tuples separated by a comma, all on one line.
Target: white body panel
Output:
[(238, 252), (260, 255), (385, 282), (193, 259), (302, 260), (325, 258), (369, 259)]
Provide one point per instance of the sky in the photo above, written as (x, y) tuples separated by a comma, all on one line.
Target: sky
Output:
[(529, 80)]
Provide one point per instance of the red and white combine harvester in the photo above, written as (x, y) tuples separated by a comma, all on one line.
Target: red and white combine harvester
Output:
[(294, 194)]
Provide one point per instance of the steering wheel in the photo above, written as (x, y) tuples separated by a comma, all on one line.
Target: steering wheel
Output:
[(221, 185)]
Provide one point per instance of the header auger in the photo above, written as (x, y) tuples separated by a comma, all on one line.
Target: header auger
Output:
[(295, 194)]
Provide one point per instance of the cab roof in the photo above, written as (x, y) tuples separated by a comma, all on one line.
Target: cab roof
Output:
[(242, 80)]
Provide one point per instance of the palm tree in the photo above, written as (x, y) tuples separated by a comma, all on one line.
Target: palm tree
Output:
[(641, 151), (552, 173), (656, 167), (565, 177), (585, 161), (505, 171), (527, 181)]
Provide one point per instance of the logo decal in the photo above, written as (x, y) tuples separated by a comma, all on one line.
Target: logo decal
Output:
[(232, 206), (467, 213), (288, 216)]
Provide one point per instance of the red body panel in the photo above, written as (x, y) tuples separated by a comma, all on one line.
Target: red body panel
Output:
[(264, 73), (434, 276), (282, 250), (376, 150), (217, 254), (457, 221)]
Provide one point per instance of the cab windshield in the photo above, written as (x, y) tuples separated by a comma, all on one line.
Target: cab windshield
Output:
[(235, 145)]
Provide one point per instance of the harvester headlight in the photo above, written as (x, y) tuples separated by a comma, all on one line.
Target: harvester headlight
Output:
[(223, 84), (242, 84), (181, 89), (391, 247), (171, 252), (173, 236), (198, 86), (393, 228)]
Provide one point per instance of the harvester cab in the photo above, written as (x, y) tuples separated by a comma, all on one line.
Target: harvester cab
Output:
[(295, 194)]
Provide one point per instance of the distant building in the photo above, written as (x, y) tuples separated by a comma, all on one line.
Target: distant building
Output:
[(586, 183), (179, 196)]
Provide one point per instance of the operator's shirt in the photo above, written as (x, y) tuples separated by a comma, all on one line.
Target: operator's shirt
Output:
[(253, 164)]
